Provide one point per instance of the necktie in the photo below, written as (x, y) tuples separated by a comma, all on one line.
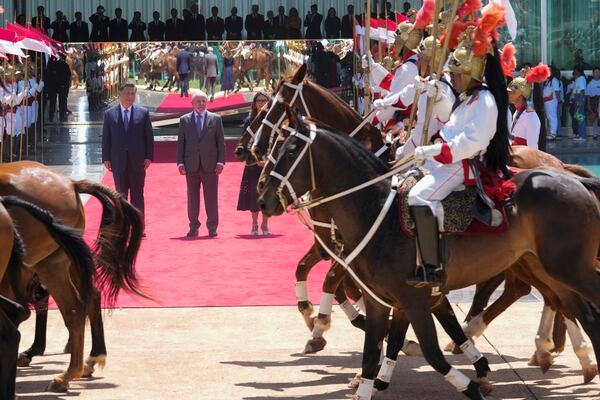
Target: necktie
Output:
[(200, 123), (126, 119)]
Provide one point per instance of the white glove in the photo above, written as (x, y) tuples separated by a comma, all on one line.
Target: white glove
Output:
[(419, 84), (433, 89), (379, 104), (367, 61), (420, 154)]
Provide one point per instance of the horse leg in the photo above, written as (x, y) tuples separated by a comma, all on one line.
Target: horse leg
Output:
[(375, 330), (41, 320), (483, 293), (9, 348), (583, 350), (396, 342), (54, 273), (418, 311), (354, 316), (543, 341), (310, 259), (98, 351), (445, 315)]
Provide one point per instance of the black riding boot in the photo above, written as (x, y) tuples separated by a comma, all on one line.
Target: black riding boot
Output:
[(431, 272)]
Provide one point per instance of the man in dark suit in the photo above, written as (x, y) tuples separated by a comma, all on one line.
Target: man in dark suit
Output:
[(269, 32), (41, 19), (184, 60), (59, 27), (281, 22), (156, 28), (234, 25), (128, 145), (201, 158), (312, 23), (79, 29), (348, 23), (118, 27), (194, 26), (174, 27), (253, 24), (100, 23), (215, 26)]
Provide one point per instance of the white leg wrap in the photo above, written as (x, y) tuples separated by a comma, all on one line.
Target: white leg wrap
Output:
[(326, 304), (582, 348), (301, 291), (457, 379), (543, 339), (475, 327), (386, 370), (365, 389), (470, 351), (382, 353), (360, 303), (349, 309)]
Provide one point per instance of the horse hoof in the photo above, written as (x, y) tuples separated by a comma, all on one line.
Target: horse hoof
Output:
[(355, 382), (473, 392), (533, 361), (450, 347), (380, 385), (457, 349), (412, 349), (485, 386), (58, 385), (88, 371), (314, 345), (590, 372), (545, 361), (23, 361)]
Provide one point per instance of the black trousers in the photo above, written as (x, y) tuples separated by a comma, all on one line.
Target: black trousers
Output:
[(130, 184), (209, 182), (62, 93), (184, 83)]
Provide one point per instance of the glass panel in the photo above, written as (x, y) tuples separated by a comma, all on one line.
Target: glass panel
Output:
[(528, 40), (573, 33)]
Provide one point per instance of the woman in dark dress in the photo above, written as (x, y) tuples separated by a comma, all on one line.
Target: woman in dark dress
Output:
[(294, 24), (248, 193), (227, 77), (332, 25), (137, 27)]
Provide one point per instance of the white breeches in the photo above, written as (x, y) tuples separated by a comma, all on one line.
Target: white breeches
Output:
[(32, 113), (442, 180), (14, 122), (552, 116)]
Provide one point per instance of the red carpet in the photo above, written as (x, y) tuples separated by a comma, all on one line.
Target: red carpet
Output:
[(173, 103), (234, 269)]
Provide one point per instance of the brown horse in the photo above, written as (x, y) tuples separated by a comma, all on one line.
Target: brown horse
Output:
[(538, 245), (258, 59), (117, 244), (75, 63)]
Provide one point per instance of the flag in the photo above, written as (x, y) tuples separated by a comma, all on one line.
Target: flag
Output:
[(391, 31), (7, 47), (382, 30), (511, 19), (400, 17), (30, 40)]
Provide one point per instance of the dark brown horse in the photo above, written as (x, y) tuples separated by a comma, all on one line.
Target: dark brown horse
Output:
[(117, 244), (538, 245)]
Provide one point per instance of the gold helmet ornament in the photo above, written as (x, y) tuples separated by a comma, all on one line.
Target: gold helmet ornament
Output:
[(409, 35), (425, 48), (524, 84), (476, 42)]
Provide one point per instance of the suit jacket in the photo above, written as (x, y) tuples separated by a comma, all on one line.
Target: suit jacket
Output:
[(269, 29), (313, 27), (135, 143), (80, 34), (99, 28), (347, 26), (184, 60), (234, 27), (215, 29), (156, 31), (211, 65), (281, 27), (204, 151), (194, 30), (118, 30), (137, 31), (59, 30), (254, 26), (174, 30)]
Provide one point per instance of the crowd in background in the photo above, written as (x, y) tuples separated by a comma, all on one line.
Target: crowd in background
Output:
[(191, 24)]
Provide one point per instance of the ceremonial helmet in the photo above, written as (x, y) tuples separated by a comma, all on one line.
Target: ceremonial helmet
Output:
[(409, 34), (524, 83), (425, 48)]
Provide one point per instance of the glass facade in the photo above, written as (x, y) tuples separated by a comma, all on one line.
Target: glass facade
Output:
[(529, 32)]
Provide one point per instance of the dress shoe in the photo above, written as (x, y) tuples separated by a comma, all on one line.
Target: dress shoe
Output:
[(192, 233), (212, 233)]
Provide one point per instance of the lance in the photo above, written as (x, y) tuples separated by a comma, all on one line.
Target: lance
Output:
[(367, 84)]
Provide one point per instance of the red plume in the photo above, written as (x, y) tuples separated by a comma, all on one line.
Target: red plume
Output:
[(492, 19), (538, 74), (508, 59), (469, 7), (457, 29), (425, 14)]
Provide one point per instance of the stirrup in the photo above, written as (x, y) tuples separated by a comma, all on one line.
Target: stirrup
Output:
[(426, 275)]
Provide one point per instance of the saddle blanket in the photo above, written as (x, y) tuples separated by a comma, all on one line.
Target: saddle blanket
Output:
[(458, 219)]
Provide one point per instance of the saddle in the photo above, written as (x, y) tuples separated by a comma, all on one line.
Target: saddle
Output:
[(458, 208)]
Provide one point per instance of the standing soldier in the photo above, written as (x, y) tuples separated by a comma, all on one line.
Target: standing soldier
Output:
[(13, 115)]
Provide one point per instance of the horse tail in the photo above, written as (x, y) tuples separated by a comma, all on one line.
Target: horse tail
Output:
[(118, 241), (13, 272), (578, 170), (69, 239)]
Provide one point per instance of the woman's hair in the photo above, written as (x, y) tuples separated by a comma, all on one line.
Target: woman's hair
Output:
[(294, 11), (497, 154), (538, 106), (330, 10), (253, 110)]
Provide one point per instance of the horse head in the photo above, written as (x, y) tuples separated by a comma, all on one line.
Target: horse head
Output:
[(243, 152)]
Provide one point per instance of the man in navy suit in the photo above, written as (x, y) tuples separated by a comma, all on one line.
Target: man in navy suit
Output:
[(128, 145), (184, 60)]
